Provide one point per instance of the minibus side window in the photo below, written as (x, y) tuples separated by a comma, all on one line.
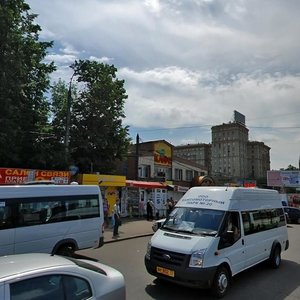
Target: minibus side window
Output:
[(5, 217), (248, 227), (261, 220), (230, 231)]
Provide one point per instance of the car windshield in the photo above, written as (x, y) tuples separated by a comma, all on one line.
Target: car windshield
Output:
[(194, 220)]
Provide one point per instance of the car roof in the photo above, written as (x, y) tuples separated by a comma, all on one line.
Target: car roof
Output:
[(12, 265)]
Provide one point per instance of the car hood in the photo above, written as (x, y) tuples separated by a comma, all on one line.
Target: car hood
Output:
[(180, 242)]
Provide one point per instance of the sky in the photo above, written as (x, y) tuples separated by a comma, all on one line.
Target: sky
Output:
[(188, 64)]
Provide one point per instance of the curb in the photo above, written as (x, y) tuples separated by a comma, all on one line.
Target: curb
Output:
[(127, 238)]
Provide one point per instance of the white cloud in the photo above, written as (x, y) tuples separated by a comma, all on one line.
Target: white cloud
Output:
[(153, 5), (61, 59), (188, 63), (103, 59)]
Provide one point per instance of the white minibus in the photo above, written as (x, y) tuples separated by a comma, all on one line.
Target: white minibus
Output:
[(56, 219), (214, 233)]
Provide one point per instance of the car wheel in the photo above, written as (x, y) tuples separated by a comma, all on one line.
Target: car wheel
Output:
[(275, 259), (298, 220), (221, 282)]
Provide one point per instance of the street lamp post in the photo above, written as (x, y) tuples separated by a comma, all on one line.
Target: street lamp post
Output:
[(68, 119)]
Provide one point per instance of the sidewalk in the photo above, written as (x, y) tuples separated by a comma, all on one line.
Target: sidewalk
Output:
[(130, 228)]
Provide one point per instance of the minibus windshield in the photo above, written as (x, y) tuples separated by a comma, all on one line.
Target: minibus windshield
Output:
[(194, 220)]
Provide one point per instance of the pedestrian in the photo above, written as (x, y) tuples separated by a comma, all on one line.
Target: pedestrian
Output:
[(169, 206), (150, 208), (106, 212), (141, 208), (117, 218)]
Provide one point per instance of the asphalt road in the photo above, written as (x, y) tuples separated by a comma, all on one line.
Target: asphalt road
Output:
[(260, 282)]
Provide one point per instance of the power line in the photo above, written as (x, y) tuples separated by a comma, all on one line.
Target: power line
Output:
[(270, 117), (199, 126)]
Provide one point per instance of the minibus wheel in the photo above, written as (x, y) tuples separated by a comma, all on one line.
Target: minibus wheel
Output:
[(221, 282), (275, 258)]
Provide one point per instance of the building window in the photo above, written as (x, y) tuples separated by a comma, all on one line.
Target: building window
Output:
[(188, 175), (178, 174), (144, 171)]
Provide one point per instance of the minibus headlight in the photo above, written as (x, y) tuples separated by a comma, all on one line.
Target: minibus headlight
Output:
[(148, 250), (197, 258)]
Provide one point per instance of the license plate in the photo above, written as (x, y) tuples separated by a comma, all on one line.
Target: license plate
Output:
[(165, 271)]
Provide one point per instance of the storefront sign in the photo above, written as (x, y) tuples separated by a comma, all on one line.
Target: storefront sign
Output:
[(162, 154), (20, 176), (104, 180)]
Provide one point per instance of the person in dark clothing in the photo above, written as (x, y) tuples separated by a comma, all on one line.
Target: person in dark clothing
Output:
[(169, 206), (150, 207)]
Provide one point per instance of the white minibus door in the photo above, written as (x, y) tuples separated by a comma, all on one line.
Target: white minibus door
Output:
[(231, 244), (7, 231)]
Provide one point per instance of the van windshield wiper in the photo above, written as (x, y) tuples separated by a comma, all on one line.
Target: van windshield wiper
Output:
[(185, 231), (168, 228), (207, 233), (177, 230)]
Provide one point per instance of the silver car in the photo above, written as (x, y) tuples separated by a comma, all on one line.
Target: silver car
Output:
[(37, 276)]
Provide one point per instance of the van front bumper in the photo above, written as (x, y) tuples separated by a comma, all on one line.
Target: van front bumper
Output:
[(187, 276)]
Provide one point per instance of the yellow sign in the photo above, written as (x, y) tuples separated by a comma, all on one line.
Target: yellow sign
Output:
[(162, 154), (104, 180)]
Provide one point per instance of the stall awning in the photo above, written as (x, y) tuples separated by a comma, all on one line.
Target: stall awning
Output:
[(146, 184)]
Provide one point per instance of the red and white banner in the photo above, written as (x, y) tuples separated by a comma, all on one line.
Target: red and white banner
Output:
[(20, 176)]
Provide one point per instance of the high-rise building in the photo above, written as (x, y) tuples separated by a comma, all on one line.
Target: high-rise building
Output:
[(229, 150)]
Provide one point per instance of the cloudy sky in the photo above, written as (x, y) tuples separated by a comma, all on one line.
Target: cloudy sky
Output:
[(188, 64)]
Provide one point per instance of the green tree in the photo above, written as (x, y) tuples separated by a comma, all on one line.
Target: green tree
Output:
[(24, 78), (291, 168), (97, 137)]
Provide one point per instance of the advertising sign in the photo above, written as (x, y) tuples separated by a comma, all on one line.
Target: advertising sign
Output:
[(162, 154), (20, 176), (283, 178), (239, 118)]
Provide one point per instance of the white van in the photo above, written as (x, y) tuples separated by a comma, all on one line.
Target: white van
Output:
[(57, 219), (214, 233)]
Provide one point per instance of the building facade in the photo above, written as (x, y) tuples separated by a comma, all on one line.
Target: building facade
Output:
[(258, 159), (230, 156), (199, 153), (155, 161), (150, 164), (229, 150)]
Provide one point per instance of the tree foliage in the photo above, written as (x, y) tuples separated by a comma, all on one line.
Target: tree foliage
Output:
[(32, 128), (97, 137), (291, 168), (24, 78)]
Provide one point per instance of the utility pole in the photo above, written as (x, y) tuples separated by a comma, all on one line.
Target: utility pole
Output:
[(137, 157)]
